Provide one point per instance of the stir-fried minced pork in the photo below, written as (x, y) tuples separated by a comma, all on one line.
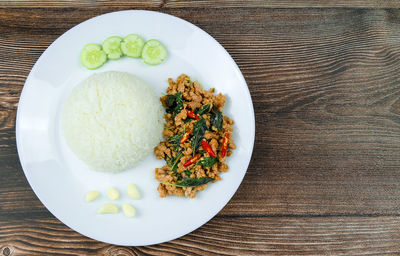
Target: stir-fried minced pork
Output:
[(198, 139)]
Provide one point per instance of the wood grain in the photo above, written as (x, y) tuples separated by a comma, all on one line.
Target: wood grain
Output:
[(205, 3), (325, 173), (222, 236), (285, 3), (82, 3)]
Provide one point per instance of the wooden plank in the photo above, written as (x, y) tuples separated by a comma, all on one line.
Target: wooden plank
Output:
[(203, 3), (325, 86), (81, 3), (284, 3), (220, 236)]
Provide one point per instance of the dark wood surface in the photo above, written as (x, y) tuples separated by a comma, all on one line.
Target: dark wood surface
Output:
[(325, 173)]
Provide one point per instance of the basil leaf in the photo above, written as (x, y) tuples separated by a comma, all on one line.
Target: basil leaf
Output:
[(179, 177), (175, 139), (179, 103), (203, 110), (174, 103), (188, 173), (173, 162), (170, 102), (198, 132), (216, 118), (207, 161), (193, 182)]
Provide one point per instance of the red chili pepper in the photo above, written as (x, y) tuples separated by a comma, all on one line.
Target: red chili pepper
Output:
[(192, 160), (224, 144), (207, 148), (191, 114), (185, 137)]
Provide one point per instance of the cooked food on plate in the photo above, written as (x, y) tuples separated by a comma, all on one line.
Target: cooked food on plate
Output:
[(198, 138), (112, 120)]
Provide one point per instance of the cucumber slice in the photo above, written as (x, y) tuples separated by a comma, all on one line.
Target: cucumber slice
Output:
[(112, 46), (132, 45), (92, 56), (154, 52)]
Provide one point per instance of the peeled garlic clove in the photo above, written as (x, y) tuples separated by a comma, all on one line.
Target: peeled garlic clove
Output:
[(108, 208), (133, 191), (112, 193), (128, 210), (91, 195)]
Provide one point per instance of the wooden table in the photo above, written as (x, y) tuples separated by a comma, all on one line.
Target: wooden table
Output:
[(325, 173)]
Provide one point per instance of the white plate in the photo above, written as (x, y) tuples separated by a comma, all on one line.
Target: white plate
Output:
[(60, 180)]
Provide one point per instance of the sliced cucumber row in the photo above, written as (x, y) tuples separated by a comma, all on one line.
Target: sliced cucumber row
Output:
[(94, 56)]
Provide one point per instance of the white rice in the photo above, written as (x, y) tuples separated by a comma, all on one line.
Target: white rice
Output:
[(112, 120)]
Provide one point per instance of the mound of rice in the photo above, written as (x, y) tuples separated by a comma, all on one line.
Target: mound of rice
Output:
[(112, 120)]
